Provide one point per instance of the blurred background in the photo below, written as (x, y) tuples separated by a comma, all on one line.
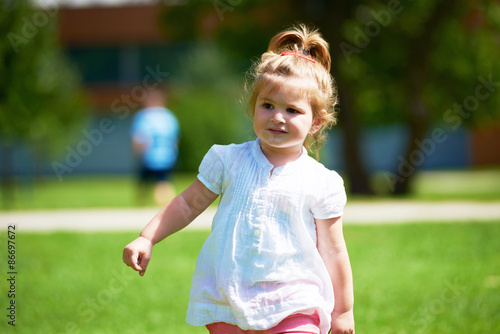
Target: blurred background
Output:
[(417, 142), (419, 86)]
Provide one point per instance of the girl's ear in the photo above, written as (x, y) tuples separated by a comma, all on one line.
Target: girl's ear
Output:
[(317, 123)]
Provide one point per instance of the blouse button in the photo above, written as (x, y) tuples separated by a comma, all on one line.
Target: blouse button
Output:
[(263, 193), (256, 232), (260, 211)]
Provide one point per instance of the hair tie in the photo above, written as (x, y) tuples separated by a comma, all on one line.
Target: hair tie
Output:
[(298, 54)]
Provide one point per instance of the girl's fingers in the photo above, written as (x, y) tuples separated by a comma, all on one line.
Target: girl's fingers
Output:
[(131, 260), (143, 265)]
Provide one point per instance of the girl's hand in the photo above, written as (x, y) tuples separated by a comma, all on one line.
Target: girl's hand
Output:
[(343, 323), (137, 254)]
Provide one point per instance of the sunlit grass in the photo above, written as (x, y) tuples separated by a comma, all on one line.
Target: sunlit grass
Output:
[(418, 278), (120, 191), (88, 192), (438, 185), (458, 184)]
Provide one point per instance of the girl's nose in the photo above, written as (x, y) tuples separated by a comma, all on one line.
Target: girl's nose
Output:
[(278, 117)]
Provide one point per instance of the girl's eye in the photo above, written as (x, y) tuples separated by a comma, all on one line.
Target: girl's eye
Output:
[(268, 106), (292, 111)]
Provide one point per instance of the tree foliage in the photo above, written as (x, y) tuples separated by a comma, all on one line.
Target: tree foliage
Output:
[(40, 97), (444, 44), (207, 98), (420, 64)]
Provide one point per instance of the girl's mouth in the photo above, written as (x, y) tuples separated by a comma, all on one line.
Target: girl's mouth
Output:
[(276, 131)]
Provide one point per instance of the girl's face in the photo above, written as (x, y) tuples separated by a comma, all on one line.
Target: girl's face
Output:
[(283, 118)]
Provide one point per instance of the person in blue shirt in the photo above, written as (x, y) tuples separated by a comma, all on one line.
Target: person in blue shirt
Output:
[(155, 135)]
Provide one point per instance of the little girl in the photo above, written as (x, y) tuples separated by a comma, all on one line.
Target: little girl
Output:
[(276, 260)]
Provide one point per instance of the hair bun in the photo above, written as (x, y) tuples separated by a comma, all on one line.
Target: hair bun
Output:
[(304, 40)]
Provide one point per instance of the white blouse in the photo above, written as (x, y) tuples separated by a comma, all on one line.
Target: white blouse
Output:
[(260, 264)]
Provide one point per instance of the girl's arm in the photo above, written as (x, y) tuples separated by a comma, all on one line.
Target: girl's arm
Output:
[(176, 215), (332, 248)]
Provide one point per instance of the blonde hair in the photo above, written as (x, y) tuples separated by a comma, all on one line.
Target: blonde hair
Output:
[(311, 61)]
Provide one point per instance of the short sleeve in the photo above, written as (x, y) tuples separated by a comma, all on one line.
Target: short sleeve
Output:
[(330, 198), (137, 124), (211, 170)]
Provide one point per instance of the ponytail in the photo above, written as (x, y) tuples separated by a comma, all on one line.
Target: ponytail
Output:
[(300, 40)]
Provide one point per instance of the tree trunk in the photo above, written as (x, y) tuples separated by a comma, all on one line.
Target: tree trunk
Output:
[(8, 183), (418, 114), (359, 181), (329, 19), (418, 121)]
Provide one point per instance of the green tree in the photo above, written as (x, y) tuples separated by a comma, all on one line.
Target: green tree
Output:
[(410, 62), (40, 97), (207, 99)]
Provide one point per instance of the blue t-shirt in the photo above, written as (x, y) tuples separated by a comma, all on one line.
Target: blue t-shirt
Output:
[(158, 130)]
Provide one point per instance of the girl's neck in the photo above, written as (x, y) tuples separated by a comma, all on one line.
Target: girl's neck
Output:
[(280, 157)]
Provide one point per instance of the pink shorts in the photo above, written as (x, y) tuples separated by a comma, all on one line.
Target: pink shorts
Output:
[(294, 324)]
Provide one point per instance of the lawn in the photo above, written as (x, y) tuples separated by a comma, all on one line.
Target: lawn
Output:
[(119, 191), (418, 278), (466, 184), (86, 192)]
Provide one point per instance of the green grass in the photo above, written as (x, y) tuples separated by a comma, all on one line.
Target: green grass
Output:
[(471, 184), (419, 278), (458, 184), (120, 191), (77, 283), (86, 192)]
